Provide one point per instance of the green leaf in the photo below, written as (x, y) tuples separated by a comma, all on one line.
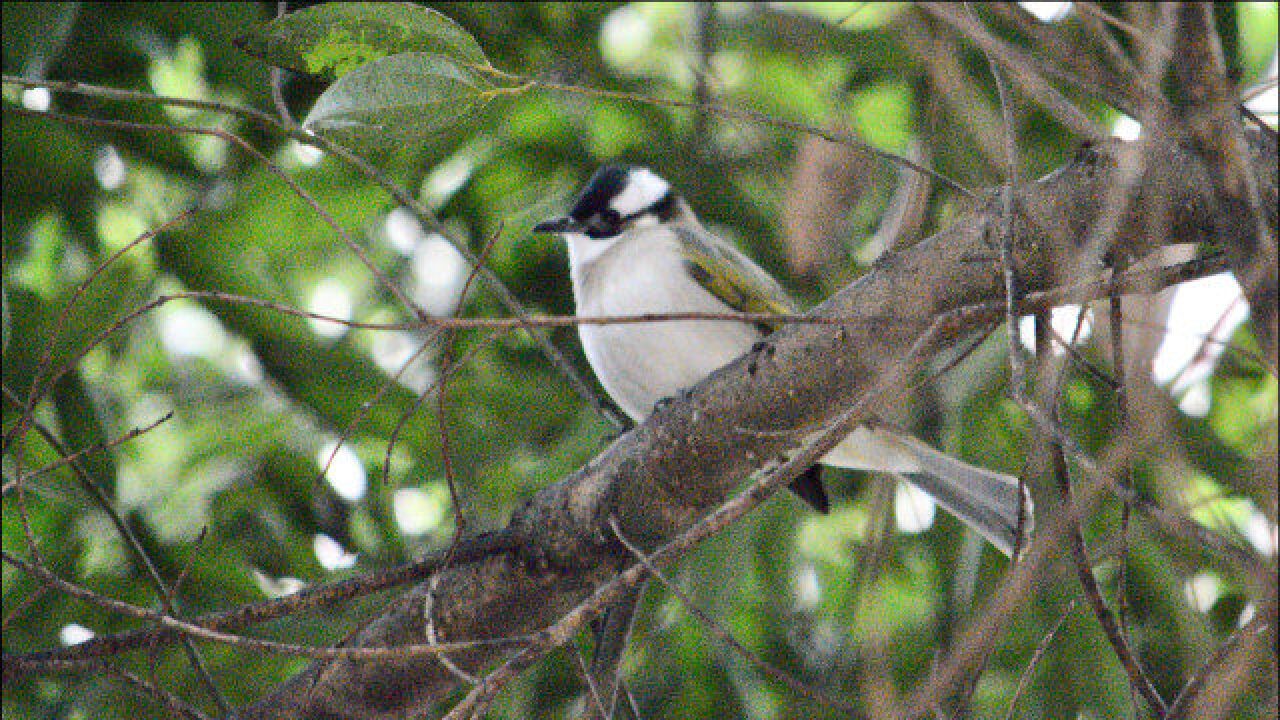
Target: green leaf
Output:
[(82, 428), (35, 33), (34, 319), (333, 39), (406, 98)]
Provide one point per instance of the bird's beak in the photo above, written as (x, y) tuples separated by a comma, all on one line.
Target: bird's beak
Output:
[(564, 224)]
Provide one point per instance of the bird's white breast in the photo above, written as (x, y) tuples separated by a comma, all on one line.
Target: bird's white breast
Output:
[(642, 363)]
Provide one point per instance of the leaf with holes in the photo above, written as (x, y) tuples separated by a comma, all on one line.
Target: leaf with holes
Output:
[(330, 40)]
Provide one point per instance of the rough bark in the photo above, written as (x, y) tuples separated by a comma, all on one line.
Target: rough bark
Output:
[(1208, 117), (689, 456)]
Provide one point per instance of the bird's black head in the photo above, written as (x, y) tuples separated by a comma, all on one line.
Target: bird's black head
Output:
[(613, 199)]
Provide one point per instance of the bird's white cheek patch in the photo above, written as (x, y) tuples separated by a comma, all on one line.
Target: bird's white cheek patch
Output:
[(642, 190)]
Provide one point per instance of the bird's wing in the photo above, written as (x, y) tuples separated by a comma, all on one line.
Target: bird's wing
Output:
[(731, 276)]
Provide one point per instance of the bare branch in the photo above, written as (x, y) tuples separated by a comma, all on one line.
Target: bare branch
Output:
[(15, 665), (1023, 69), (167, 598), (1017, 364)]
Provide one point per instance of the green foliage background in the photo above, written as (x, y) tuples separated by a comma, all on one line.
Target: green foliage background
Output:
[(226, 495)]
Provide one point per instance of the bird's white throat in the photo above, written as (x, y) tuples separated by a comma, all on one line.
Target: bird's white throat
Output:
[(584, 251), (641, 363)]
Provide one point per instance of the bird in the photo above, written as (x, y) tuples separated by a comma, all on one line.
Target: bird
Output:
[(636, 247)]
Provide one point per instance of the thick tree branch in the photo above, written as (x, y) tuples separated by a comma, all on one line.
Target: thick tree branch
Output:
[(1206, 107), (659, 479)]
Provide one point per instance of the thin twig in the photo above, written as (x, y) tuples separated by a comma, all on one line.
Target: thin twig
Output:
[(1012, 292), (78, 454), (1133, 282), (704, 32), (1094, 25), (59, 325), (612, 634), (1125, 475), (417, 208), (399, 194), (1057, 442), (277, 79), (1209, 343), (758, 118), (495, 285), (724, 636), (176, 706), (274, 169), (1041, 648), (366, 408), (593, 693), (94, 651), (18, 664), (1017, 364), (20, 607), (1138, 677), (1024, 70), (1191, 690), (167, 598), (1139, 35), (428, 617), (448, 367), (403, 420), (1079, 358)]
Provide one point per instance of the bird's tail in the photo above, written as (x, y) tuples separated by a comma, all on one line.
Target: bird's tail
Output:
[(997, 506)]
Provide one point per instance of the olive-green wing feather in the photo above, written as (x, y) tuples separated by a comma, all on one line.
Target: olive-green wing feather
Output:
[(742, 285), (731, 276)]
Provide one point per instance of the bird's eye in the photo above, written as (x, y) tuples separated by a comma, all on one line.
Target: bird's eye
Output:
[(605, 223)]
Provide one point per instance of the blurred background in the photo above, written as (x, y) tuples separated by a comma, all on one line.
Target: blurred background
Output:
[(286, 460)]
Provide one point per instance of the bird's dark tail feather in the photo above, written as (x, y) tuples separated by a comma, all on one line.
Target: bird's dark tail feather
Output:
[(808, 486)]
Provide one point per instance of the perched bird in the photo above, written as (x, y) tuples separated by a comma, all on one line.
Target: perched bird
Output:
[(635, 247)]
